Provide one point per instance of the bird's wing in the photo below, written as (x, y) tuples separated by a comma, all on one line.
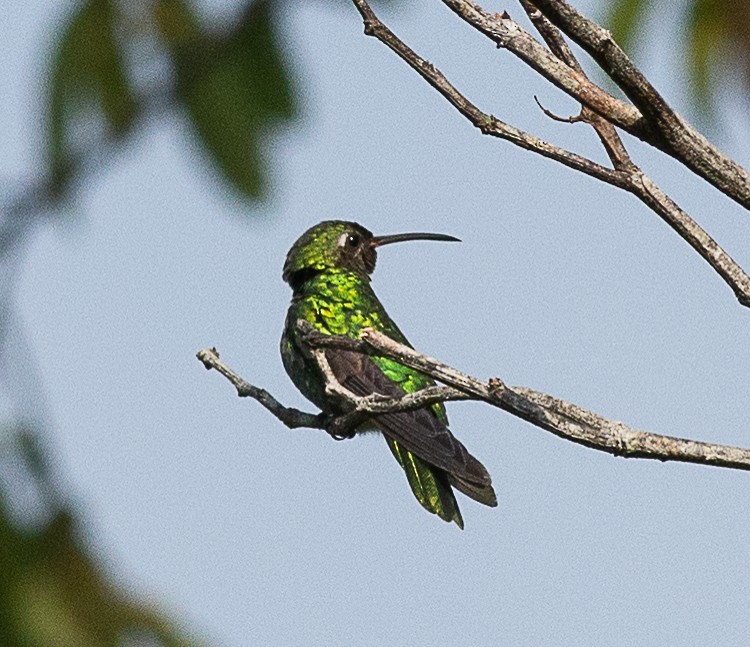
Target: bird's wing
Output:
[(418, 431)]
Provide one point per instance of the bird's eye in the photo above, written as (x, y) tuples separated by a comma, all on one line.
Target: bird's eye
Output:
[(353, 240)]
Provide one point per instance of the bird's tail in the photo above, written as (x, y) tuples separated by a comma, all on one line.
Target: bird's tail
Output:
[(481, 493), (430, 485)]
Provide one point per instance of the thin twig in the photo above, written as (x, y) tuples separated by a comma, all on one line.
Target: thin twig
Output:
[(677, 137), (625, 175), (606, 132), (360, 409), (651, 119), (643, 187), (572, 119), (292, 418)]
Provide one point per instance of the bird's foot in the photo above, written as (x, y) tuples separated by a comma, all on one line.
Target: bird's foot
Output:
[(337, 426)]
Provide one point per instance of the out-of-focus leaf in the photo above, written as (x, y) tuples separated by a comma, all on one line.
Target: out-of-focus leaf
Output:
[(12, 561), (88, 83), (623, 19), (52, 592), (33, 453), (716, 40), (706, 32), (176, 24), (253, 48), (227, 128), (233, 87)]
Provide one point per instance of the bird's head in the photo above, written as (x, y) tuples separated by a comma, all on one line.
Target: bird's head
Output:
[(338, 244)]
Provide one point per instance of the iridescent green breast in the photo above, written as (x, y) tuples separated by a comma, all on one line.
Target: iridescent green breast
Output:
[(342, 303)]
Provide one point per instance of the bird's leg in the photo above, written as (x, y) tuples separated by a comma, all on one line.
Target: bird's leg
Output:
[(341, 426)]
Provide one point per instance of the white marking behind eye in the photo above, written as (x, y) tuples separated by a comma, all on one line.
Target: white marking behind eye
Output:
[(342, 240)]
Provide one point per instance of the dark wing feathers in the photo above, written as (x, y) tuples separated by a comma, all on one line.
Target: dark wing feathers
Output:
[(418, 431)]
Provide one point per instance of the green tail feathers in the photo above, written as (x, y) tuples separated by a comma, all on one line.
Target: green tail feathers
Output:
[(430, 486)]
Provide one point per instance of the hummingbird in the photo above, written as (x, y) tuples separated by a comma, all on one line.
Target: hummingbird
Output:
[(328, 269)]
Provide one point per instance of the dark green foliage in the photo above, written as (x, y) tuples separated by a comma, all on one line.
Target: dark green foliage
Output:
[(232, 86), (52, 592), (624, 19), (706, 32), (88, 85)]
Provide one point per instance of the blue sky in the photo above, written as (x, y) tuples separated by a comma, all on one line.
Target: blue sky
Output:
[(252, 534)]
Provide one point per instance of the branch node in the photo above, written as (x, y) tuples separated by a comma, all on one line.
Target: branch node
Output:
[(496, 388), (370, 27), (485, 124)]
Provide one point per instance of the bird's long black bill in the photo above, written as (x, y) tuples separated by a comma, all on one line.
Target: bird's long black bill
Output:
[(378, 241)]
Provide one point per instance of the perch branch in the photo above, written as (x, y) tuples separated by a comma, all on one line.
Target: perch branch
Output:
[(563, 419), (357, 409), (292, 418)]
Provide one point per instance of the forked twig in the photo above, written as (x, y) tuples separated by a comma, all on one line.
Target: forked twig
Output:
[(600, 109)]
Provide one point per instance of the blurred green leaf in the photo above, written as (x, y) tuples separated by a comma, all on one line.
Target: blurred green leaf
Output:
[(53, 593), (33, 453), (176, 24), (716, 33), (228, 128), (254, 50), (233, 87), (12, 561), (88, 83), (623, 19), (706, 33)]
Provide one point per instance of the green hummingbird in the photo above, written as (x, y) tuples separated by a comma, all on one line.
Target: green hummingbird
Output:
[(328, 269)]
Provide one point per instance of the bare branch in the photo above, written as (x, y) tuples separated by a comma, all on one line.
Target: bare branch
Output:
[(642, 186), (650, 119), (564, 419), (292, 418), (486, 123), (680, 138), (506, 33), (626, 175), (551, 35), (606, 132), (360, 409), (652, 196)]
